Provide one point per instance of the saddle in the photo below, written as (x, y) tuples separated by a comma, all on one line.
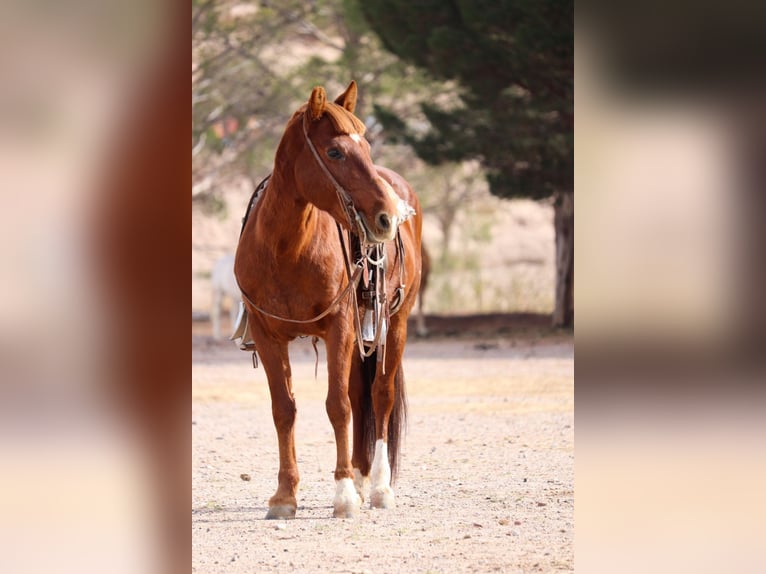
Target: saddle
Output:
[(241, 335)]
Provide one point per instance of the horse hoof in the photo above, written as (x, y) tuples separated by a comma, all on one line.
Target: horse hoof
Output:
[(345, 513), (361, 484), (382, 498), (280, 511), (347, 501)]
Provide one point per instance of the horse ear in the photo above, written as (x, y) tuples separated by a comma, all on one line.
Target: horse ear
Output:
[(348, 98), (317, 102)]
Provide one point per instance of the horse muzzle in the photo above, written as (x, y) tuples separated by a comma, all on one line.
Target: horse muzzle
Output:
[(385, 225), (382, 229)]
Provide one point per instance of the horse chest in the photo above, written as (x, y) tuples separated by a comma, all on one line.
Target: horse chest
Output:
[(298, 284)]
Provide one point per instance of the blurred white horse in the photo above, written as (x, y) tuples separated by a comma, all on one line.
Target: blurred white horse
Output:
[(224, 285)]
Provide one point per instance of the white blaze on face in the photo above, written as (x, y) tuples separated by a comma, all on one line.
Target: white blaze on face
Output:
[(380, 473), (357, 138)]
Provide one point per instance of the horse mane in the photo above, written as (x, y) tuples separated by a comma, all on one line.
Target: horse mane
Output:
[(342, 120)]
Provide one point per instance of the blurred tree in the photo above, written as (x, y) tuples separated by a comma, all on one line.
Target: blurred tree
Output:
[(241, 88), (254, 63), (512, 102)]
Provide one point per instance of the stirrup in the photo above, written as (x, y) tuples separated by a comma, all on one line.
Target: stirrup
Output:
[(241, 334)]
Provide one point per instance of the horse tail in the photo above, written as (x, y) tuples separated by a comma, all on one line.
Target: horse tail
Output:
[(368, 413), (397, 420)]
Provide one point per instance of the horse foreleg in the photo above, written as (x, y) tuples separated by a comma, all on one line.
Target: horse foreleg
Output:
[(276, 363), (347, 501)]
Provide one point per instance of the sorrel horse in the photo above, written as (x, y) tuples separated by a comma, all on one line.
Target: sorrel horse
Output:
[(331, 249)]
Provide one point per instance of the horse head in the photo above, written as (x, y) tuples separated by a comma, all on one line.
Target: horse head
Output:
[(347, 184)]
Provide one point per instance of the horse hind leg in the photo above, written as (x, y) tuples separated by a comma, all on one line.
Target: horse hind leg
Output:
[(389, 404), (370, 459), (381, 492), (361, 483)]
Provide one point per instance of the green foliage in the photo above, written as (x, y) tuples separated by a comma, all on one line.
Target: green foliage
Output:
[(254, 63), (241, 93), (513, 61), (210, 204)]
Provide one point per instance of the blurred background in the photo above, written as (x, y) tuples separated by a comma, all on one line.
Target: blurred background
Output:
[(480, 128), (94, 187), (94, 215), (671, 359)]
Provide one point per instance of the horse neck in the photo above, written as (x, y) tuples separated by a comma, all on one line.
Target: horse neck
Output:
[(287, 220)]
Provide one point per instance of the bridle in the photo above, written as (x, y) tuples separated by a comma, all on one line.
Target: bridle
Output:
[(370, 253), (353, 218)]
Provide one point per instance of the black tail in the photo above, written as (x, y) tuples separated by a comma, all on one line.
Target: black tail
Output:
[(397, 420), (397, 423)]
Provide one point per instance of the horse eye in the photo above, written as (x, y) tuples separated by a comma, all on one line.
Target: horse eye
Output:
[(334, 153)]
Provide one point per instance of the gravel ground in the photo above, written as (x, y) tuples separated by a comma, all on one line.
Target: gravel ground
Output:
[(487, 471)]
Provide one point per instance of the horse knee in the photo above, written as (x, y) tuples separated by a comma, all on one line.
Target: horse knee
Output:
[(284, 414), (382, 395), (338, 409)]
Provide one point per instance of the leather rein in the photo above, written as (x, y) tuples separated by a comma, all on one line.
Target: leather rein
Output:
[(372, 254)]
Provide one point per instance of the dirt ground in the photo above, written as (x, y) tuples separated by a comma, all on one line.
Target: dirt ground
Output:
[(487, 471)]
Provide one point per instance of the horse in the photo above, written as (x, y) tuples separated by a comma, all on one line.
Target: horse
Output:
[(223, 285), (331, 250)]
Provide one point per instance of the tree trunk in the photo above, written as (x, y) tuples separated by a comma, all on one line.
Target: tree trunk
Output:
[(563, 221)]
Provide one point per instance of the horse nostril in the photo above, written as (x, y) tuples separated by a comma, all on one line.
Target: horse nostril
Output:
[(384, 222)]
